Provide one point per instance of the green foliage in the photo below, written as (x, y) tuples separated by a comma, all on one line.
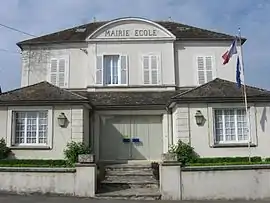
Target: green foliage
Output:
[(228, 160), (73, 149), (185, 153), (33, 163), (4, 150)]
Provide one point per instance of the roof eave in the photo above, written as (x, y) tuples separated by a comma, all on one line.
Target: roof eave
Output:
[(131, 107), (243, 40), (42, 102), (220, 99)]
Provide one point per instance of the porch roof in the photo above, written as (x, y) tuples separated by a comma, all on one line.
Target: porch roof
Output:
[(42, 92), (100, 100), (219, 90)]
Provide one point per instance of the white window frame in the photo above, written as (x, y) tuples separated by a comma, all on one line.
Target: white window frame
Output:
[(211, 124), (159, 72), (11, 126), (214, 70), (119, 70), (224, 141), (67, 69)]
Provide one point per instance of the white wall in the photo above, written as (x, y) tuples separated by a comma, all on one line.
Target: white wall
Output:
[(135, 50), (214, 182), (79, 181), (36, 64), (186, 64), (201, 137)]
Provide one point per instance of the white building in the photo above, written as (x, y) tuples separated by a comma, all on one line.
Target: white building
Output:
[(131, 87)]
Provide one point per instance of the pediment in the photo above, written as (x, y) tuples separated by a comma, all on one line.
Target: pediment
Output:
[(131, 29)]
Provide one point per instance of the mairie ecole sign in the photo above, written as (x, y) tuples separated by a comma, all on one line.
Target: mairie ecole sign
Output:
[(131, 33)]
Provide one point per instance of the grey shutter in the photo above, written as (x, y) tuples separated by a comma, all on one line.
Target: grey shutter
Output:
[(62, 73), (209, 68), (124, 69), (53, 71), (200, 66), (146, 70), (154, 70), (99, 68)]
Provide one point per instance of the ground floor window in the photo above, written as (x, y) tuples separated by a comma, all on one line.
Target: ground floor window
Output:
[(230, 125), (30, 127)]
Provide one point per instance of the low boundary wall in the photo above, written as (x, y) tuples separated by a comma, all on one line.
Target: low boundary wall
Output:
[(78, 181), (249, 182)]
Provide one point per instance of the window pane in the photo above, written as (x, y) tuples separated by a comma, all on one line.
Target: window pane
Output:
[(31, 127), (42, 128), (111, 69), (19, 127), (230, 125), (218, 125), (31, 133), (242, 129)]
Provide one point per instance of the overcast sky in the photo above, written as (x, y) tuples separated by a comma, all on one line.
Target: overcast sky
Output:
[(41, 17)]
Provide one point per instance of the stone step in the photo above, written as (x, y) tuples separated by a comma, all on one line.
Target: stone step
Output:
[(131, 194), (130, 178), (129, 173), (129, 167), (119, 185)]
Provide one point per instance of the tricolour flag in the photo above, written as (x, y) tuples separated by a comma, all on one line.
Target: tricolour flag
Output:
[(229, 53), (238, 73)]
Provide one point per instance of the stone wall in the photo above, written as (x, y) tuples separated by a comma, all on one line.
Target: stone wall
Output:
[(79, 181), (250, 182)]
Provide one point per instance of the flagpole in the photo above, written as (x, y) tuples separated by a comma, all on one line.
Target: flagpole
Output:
[(245, 93)]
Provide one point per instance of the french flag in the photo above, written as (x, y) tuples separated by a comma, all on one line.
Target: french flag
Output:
[(230, 52)]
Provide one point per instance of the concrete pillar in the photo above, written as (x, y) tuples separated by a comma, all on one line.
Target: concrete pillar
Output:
[(170, 181), (85, 180)]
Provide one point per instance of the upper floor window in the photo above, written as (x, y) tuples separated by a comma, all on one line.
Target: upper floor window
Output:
[(230, 125), (59, 71), (151, 64), (205, 69), (111, 70)]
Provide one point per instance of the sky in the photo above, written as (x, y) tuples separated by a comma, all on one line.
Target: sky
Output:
[(40, 17)]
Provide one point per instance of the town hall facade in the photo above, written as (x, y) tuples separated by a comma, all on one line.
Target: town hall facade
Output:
[(130, 88)]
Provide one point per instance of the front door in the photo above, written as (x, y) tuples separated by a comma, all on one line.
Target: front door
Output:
[(131, 138)]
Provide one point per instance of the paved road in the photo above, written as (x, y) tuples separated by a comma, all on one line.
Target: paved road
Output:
[(4, 198)]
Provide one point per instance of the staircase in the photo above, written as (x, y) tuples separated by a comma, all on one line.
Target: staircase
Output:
[(126, 181)]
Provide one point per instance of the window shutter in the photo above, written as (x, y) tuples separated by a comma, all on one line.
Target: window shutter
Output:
[(54, 71), (124, 69), (146, 71), (200, 65), (154, 70), (209, 68), (62, 73), (99, 67)]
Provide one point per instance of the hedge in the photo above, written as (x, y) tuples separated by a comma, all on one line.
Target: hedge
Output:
[(227, 159), (33, 163)]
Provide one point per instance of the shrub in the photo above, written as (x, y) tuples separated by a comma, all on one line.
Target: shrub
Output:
[(185, 153), (33, 163), (74, 149), (229, 160), (4, 150)]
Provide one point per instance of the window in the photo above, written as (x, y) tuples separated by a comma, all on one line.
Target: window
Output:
[(30, 127), (205, 69), (111, 70), (151, 69), (59, 69), (230, 126)]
